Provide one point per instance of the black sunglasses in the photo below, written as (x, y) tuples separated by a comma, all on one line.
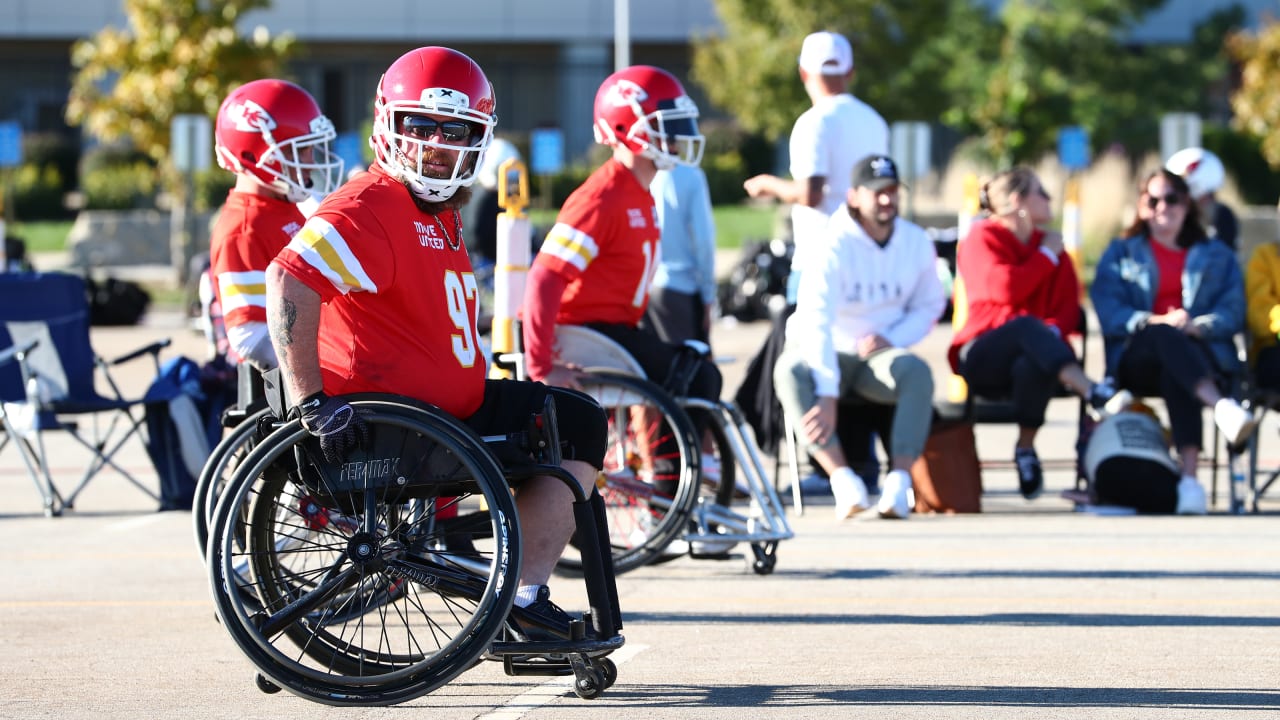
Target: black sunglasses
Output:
[(1170, 200), (424, 127)]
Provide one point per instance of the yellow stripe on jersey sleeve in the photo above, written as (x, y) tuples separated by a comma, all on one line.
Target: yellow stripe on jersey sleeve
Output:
[(321, 246), (242, 289), (571, 246)]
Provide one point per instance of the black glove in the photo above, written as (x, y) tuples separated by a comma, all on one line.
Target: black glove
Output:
[(337, 424)]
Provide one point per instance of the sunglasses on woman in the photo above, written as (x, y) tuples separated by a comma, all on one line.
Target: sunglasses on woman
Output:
[(1170, 200)]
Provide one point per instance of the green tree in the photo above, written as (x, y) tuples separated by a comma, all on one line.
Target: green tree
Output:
[(1011, 78), (176, 57), (1064, 62), (1257, 101), (903, 53)]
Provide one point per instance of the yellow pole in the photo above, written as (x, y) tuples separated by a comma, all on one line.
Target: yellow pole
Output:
[(970, 206), (1071, 230), (514, 256)]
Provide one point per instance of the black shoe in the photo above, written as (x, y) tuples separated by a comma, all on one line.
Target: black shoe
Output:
[(1030, 474), (541, 619)]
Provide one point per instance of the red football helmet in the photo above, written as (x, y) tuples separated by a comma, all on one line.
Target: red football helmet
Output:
[(644, 109), (273, 131), (442, 83)]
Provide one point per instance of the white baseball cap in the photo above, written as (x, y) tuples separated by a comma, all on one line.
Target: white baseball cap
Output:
[(826, 53)]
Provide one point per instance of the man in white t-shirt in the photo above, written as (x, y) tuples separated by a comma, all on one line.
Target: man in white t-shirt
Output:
[(870, 292), (826, 141)]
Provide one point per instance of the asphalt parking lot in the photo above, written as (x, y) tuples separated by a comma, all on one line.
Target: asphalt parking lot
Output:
[(1027, 610)]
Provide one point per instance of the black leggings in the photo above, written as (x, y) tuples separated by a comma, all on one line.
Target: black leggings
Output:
[(1162, 361), (1020, 359)]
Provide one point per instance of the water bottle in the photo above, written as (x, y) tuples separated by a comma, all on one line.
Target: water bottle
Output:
[(1238, 488)]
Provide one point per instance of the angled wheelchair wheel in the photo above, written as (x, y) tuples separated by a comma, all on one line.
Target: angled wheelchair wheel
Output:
[(717, 484), (650, 469), (374, 581), (222, 463)]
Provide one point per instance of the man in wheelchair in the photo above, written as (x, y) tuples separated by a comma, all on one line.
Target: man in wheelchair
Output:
[(597, 261), (376, 294)]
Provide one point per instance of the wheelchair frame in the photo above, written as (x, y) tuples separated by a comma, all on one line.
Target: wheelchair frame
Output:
[(293, 603), (710, 522)]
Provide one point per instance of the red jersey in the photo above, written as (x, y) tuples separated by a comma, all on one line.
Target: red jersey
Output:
[(1005, 278), (605, 245), (251, 230), (400, 301)]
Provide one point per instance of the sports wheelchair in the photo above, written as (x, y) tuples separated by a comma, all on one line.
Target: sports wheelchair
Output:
[(381, 579), (657, 492)]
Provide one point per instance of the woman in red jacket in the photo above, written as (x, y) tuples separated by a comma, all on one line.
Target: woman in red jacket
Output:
[(1023, 301)]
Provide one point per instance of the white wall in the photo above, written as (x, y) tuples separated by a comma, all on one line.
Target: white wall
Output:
[(416, 20)]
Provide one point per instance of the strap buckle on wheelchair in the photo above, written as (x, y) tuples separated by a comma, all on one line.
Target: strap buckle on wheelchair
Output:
[(542, 436)]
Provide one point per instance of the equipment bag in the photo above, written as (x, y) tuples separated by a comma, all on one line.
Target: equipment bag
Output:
[(1128, 463), (947, 477)]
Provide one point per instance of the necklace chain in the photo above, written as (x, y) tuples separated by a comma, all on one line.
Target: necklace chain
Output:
[(457, 225)]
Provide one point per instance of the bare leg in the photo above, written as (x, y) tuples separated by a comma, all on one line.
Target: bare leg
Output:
[(830, 458), (1026, 438), (1072, 375), (1190, 456), (545, 505), (1208, 393)]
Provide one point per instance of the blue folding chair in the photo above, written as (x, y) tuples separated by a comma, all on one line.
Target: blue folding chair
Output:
[(47, 373)]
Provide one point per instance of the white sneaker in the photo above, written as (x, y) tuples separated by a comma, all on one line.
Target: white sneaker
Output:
[(1118, 403), (1235, 422), (894, 501), (850, 493), (1191, 497)]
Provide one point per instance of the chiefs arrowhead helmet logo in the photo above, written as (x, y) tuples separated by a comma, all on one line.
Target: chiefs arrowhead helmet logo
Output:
[(625, 92), (249, 116)]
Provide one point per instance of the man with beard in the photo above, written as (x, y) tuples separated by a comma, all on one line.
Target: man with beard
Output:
[(871, 292), (376, 294)]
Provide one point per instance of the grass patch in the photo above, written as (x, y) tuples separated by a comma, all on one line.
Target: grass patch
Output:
[(44, 235), (734, 223)]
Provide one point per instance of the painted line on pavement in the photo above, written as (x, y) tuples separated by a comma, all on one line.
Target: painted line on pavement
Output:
[(530, 700)]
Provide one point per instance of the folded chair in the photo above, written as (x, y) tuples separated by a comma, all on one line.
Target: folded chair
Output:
[(47, 382)]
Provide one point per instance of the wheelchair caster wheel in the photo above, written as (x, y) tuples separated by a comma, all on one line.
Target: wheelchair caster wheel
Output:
[(763, 566), (588, 685), (265, 685), (608, 672)]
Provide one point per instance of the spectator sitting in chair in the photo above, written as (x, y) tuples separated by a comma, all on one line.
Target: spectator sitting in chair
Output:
[(1022, 302), (1170, 301), (871, 292)]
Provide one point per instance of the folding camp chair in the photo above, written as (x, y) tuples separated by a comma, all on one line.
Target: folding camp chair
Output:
[(47, 383)]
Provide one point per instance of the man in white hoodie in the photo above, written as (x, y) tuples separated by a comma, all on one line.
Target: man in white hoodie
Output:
[(871, 292)]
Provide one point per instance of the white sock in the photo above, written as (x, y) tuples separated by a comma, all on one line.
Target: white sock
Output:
[(526, 594)]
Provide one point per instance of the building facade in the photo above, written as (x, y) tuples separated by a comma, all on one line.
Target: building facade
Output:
[(545, 57)]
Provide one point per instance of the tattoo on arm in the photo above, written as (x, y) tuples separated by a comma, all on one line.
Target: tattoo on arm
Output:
[(281, 324)]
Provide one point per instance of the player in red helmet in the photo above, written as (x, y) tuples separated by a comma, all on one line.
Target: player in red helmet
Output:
[(376, 294), (272, 135), (596, 263)]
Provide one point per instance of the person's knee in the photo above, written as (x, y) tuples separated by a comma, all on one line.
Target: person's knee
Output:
[(912, 371)]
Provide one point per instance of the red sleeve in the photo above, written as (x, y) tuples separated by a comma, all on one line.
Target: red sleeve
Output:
[(992, 271), (543, 289)]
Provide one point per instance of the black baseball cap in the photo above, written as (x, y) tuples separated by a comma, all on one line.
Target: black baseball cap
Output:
[(876, 172)]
